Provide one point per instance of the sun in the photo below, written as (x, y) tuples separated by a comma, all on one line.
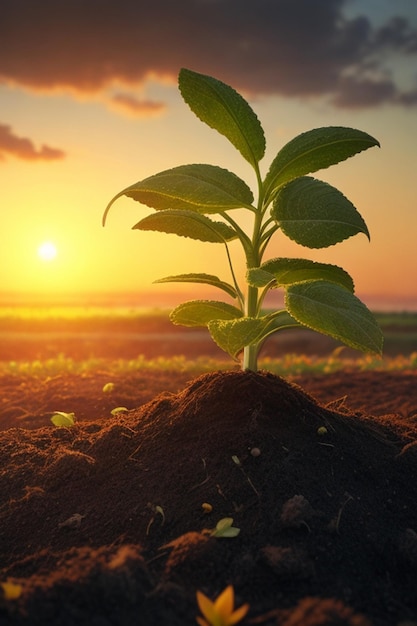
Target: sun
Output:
[(47, 251)]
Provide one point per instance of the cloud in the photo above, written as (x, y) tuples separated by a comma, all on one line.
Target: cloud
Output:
[(397, 33), (409, 98), (293, 48), (136, 107), (356, 92), (22, 148)]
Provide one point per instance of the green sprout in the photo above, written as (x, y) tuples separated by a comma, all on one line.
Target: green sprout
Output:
[(312, 213), (63, 420), (119, 409), (225, 528), (156, 510)]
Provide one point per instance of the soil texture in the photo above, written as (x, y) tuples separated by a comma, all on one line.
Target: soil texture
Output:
[(111, 522)]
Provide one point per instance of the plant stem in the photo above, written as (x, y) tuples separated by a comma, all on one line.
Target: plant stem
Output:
[(250, 353), (240, 296), (250, 358)]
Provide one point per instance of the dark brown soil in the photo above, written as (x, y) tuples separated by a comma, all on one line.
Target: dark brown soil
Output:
[(103, 524)]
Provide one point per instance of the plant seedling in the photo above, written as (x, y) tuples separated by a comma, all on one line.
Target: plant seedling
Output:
[(312, 213), (221, 612), (225, 528), (157, 510), (63, 420), (119, 409)]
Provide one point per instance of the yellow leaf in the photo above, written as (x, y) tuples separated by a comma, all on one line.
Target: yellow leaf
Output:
[(238, 615), (207, 607), (11, 591), (224, 604), (220, 612)]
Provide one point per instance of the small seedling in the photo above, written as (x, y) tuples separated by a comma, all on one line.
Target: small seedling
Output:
[(221, 612), (157, 510), (225, 528), (108, 387), (63, 420), (119, 409), (311, 212)]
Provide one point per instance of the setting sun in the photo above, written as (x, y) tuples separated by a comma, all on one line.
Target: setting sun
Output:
[(47, 251)]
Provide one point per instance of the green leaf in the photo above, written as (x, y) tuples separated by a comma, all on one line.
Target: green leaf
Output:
[(233, 335), (187, 224), (287, 271), (334, 311), (201, 312), (315, 150), (225, 528), (206, 279), (224, 110), (258, 277), (277, 320), (198, 187), (315, 214)]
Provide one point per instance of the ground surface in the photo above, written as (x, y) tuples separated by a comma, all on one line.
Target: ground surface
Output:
[(104, 524)]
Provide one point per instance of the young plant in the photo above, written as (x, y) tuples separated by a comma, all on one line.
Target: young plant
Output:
[(225, 528), (314, 214), (60, 419), (221, 612)]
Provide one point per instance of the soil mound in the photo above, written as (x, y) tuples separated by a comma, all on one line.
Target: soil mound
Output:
[(112, 522)]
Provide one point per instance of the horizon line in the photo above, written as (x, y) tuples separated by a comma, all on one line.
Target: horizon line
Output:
[(147, 298)]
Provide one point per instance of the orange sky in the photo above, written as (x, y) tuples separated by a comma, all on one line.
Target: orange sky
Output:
[(89, 105)]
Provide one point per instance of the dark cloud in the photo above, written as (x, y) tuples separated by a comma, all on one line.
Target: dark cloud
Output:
[(295, 48), (409, 98), (397, 34), (22, 148), (361, 92)]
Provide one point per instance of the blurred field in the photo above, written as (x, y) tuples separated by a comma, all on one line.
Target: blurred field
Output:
[(74, 337)]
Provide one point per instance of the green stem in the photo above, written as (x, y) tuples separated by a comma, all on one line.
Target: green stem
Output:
[(250, 353), (254, 254), (240, 295)]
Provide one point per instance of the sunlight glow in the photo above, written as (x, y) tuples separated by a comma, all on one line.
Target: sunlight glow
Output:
[(47, 251)]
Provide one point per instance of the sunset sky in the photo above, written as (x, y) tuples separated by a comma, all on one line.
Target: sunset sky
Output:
[(89, 104)]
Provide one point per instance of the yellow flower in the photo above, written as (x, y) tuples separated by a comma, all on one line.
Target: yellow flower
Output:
[(220, 612)]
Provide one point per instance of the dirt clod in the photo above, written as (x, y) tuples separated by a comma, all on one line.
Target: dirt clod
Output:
[(134, 485)]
